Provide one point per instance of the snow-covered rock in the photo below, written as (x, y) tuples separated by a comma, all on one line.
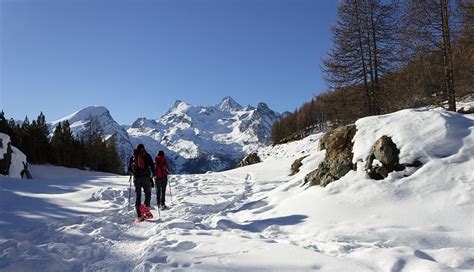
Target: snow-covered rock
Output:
[(11, 157)]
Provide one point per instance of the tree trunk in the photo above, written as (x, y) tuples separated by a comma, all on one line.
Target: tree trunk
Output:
[(376, 66), (447, 56), (362, 58)]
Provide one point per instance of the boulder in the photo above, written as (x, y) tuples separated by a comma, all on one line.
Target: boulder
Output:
[(338, 160), (383, 158), (250, 159), (295, 167), (386, 151)]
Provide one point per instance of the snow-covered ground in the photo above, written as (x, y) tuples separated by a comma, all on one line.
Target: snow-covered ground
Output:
[(258, 218)]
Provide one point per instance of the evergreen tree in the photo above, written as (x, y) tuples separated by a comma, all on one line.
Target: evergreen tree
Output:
[(57, 145), (14, 130), (65, 147), (4, 128), (39, 138), (112, 160), (25, 141), (92, 137), (8, 127)]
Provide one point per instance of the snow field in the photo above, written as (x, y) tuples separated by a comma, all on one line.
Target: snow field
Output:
[(257, 218)]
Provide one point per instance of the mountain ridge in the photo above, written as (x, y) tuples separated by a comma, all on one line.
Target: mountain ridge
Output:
[(196, 138)]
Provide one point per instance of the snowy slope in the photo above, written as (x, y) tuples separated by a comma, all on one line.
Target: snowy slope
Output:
[(17, 159), (78, 121), (202, 138), (257, 218)]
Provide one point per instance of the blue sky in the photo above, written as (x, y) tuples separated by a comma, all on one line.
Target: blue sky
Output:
[(137, 57)]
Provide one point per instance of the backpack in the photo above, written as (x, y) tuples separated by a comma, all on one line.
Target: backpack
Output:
[(161, 167), (139, 166), (138, 162)]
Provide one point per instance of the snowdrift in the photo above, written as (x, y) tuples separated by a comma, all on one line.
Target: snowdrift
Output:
[(258, 218)]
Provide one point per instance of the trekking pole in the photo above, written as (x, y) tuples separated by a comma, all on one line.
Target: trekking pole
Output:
[(129, 191), (159, 213), (171, 195)]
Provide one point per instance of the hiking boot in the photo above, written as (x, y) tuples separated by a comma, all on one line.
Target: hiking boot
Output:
[(163, 206)]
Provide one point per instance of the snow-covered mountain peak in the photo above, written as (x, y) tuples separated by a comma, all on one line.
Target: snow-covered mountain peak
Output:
[(202, 138), (84, 114), (228, 104), (262, 107), (79, 120), (143, 122), (179, 106)]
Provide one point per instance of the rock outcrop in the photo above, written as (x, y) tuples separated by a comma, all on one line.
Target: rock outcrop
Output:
[(250, 159), (295, 166), (338, 160)]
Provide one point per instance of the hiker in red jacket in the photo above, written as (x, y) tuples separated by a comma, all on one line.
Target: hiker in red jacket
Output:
[(161, 178)]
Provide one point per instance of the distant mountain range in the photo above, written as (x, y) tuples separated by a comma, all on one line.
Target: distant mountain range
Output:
[(196, 139)]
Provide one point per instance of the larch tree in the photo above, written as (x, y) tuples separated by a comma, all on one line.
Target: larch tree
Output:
[(364, 43), (428, 28)]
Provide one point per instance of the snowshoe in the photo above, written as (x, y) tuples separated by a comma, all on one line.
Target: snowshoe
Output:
[(145, 212)]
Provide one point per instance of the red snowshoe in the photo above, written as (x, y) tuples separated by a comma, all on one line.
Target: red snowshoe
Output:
[(145, 212)]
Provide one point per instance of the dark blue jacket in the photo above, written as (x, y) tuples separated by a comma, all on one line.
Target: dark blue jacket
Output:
[(149, 170)]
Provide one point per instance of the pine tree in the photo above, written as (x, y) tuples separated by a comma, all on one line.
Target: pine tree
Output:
[(113, 162), (3, 123), (8, 127), (92, 137), (15, 132), (25, 141), (41, 142)]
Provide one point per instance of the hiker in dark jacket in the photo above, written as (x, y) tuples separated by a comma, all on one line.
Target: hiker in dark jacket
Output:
[(141, 165), (161, 178)]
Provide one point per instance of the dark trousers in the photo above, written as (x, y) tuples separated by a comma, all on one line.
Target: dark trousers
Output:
[(161, 189), (142, 182)]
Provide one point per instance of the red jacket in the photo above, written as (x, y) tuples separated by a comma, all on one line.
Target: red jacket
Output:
[(161, 167)]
